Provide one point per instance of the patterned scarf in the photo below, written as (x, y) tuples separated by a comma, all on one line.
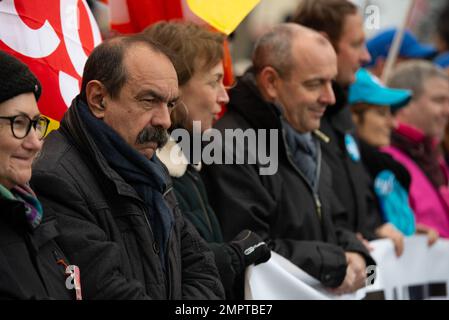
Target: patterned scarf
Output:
[(24, 194)]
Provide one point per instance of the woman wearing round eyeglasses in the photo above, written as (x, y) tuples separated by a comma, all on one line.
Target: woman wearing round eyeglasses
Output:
[(32, 266)]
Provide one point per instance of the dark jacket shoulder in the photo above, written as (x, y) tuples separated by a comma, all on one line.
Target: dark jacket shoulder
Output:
[(105, 228), (29, 267)]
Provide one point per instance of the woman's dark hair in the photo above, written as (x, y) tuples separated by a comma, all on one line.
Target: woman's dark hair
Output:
[(328, 16), (194, 49)]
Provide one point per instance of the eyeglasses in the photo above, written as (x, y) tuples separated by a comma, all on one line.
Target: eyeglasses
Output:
[(21, 125)]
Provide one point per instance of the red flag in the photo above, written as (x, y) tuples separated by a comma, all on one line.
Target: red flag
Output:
[(54, 40), (131, 16)]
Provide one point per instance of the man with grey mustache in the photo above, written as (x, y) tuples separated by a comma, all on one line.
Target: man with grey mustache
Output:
[(111, 196)]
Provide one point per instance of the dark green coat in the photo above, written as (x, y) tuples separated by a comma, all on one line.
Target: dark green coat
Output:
[(191, 194)]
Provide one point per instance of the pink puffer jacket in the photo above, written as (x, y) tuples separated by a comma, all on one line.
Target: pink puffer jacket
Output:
[(431, 206)]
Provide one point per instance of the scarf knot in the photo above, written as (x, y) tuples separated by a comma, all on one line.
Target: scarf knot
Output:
[(33, 209)]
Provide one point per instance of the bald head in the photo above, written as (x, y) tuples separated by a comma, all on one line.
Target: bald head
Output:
[(295, 67), (285, 43)]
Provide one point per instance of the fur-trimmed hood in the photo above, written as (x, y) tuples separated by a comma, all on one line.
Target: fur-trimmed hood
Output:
[(174, 159)]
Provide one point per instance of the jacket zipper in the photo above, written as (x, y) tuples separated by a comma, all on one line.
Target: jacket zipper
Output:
[(318, 206), (318, 174), (209, 224), (154, 240), (167, 276), (167, 263)]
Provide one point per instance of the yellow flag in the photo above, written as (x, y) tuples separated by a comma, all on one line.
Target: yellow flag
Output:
[(223, 15), (53, 125)]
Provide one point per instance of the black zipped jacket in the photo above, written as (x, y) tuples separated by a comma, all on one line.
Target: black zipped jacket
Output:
[(351, 182), (105, 231), (282, 208), (32, 266)]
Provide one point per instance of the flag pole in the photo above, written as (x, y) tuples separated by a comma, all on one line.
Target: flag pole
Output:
[(394, 49)]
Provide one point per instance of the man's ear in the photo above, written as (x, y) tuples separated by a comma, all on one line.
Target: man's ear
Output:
[(378, 68), (95, 96), (356, 118), (269, 82), (324, 34), (403, 114)]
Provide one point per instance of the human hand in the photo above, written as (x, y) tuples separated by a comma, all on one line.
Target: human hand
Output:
[(389, 231), (355, 277), (251, 248), (432, 234), (364, 241)]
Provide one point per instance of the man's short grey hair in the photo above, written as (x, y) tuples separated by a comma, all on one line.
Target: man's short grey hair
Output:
[(413, 74), (274, 49)]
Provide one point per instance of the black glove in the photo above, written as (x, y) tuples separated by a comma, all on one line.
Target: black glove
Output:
[(250, 248)]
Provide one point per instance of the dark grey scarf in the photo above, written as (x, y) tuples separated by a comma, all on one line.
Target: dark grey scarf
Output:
[(304, 151), (147, 177)]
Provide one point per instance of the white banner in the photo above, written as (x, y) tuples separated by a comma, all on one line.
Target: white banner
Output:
[(422, 272)]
